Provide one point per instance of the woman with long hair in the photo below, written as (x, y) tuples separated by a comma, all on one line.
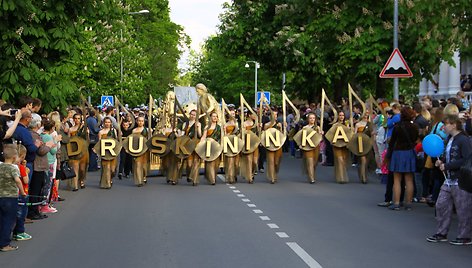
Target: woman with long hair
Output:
[(212, 130), (310, 157), (458, 149), (231, 163), (140, 163), (108, 166), (79, 164), (341, 154), (402, 157)]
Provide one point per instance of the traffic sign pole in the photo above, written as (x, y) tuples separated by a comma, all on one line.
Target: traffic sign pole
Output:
[(395, 45)]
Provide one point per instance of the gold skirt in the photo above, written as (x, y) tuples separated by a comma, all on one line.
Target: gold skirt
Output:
[(341, 158), (273, 164), (80, 167), (230, 168), (108, 172), (140, 164), (211, 170), (310, 161), (173, 169)]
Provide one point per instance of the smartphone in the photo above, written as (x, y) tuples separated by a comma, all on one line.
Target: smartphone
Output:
[(13, 112)]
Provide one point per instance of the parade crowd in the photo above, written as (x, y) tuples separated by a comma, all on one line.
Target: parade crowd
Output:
[(35, 157)]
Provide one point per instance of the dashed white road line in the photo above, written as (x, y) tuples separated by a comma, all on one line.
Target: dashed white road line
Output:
[(264, 218), (312, 263), (282, 234)]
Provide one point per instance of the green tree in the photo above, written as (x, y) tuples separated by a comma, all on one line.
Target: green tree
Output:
[(325, 44)]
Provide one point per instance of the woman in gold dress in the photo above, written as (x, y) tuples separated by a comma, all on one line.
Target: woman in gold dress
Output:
[(231, 163), (273, 157), (140, 162), (212, 130), (363, 126), (341, 155), (108, 166), (192, 129), (310, 158), (249, 161), (79, 164)]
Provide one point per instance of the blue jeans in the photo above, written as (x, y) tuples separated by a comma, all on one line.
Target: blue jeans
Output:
[(21, 215), (292, 147), (8, 210)]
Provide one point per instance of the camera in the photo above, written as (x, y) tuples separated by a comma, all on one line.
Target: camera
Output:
[(13, 112)]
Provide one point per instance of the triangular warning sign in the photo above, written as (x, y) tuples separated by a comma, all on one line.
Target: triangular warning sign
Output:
[(396, 66)]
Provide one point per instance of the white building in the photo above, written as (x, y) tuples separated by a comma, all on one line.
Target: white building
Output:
[(447, 80)]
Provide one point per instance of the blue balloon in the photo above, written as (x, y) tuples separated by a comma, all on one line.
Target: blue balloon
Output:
[(433, 145)]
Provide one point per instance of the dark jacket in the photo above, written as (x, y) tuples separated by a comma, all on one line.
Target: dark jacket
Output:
[(404, 136), (461, 149)]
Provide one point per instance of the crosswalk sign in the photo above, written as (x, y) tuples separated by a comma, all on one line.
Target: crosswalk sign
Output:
[(107, 101), (266, 95)]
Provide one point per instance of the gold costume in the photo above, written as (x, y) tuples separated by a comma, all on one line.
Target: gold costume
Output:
[(310, 160), (140, 164), (80, 165), (108, 166), (362, 161), (249, 162), (192, 163), (273, 164), (341, 156), (211, 167), (231, 162)]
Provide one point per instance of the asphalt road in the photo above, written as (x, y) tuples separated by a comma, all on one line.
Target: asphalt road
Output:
[(289, 224)]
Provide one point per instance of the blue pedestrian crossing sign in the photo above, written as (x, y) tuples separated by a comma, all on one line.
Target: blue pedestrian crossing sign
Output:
[(107, 101), (266, 95)]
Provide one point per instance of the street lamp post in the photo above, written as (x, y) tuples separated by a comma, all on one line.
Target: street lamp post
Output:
[(141, 12), (256, 66)]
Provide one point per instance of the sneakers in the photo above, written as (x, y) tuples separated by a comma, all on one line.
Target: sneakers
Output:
[(48, 209), (384, 204), (394, 207), (437, 238), (22, 237), (461, 242), (261, 170), (8, 248)]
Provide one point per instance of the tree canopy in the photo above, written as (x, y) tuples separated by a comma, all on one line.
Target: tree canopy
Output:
[(326, 44), (57, 49)]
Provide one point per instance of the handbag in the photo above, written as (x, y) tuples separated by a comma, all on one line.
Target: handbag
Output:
[(66, 172)]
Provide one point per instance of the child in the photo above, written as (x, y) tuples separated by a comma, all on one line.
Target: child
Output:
[(19, 231), (9, 184)]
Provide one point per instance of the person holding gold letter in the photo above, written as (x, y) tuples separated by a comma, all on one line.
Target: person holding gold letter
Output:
[(308, 139), (273, 139), (249, 134), (77, 150), (140, 162), (339, 136), (211, 136), (231, 161), (108, 166), (192, 129)]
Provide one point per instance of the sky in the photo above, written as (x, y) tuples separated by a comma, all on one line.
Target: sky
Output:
[(199, 19)]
